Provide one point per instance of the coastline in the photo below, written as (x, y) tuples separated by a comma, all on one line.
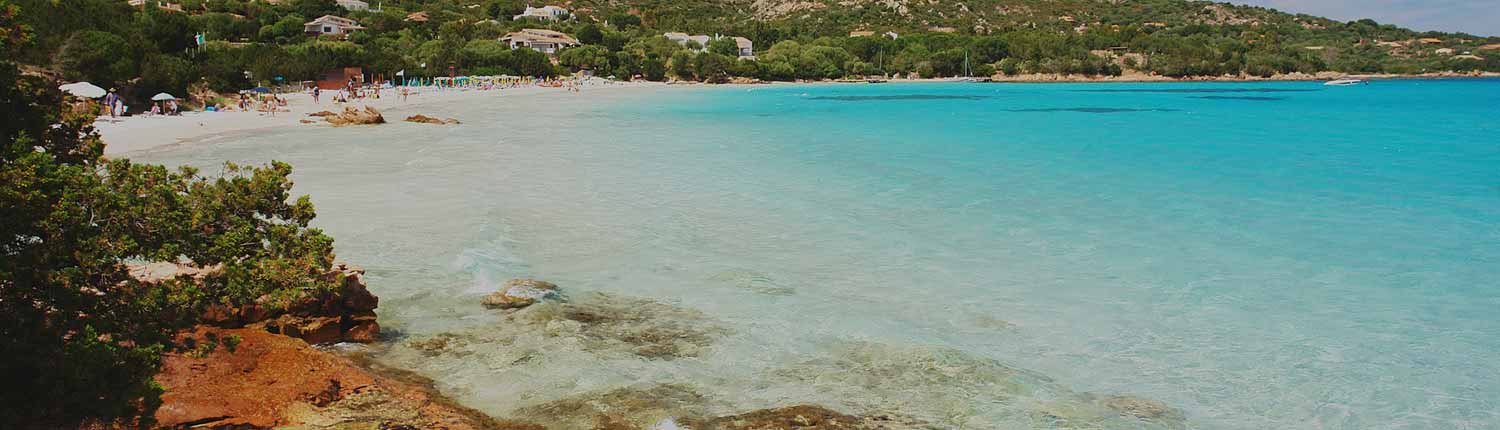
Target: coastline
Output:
[(141, 133)]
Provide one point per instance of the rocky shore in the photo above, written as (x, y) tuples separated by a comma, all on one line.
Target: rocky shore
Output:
[(261, 370)]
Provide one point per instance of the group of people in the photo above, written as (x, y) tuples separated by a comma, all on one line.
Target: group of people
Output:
[(165, 107)]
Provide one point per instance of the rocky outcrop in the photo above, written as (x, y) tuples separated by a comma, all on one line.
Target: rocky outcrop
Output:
[(519, 293), (345, 313), (352, 116), (272, 381), (419, 118)]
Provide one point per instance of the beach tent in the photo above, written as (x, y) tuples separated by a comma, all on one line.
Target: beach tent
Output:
[(261, 90), (83, 89), (161, 97)]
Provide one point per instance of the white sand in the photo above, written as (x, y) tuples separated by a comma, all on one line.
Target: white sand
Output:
[(139, 133)]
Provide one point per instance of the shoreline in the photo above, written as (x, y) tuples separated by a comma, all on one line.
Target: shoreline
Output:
[(136, 134), (140, 133)]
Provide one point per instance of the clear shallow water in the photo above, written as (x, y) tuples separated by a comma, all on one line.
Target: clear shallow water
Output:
[(1278, 255)]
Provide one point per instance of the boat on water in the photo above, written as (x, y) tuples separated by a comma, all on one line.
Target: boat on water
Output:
[(1345, 82)]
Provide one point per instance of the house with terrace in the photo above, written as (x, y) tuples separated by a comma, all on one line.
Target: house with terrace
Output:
[(540, 40)]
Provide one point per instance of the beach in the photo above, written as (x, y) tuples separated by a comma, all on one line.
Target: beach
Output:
[(140, 132), (1115, 256)]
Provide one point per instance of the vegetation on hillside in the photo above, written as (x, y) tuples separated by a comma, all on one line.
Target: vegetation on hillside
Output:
[(81, 339), (252, 42)]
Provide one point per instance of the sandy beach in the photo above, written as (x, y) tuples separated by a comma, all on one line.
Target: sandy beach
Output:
[(140, 132)]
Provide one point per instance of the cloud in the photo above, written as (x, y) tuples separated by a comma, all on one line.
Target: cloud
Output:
[(1480, 17)]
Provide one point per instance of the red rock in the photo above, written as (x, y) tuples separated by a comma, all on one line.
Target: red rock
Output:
[(273, 381)]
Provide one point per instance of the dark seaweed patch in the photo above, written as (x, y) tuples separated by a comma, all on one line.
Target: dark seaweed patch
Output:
[(896, 97), (1093, 110), (1200, 90), (1251, 98)]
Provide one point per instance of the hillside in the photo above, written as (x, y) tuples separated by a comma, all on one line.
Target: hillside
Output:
[(152, 48)]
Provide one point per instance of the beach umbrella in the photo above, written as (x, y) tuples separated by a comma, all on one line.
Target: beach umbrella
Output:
[(83, 89), (161, 97), (261, 90)]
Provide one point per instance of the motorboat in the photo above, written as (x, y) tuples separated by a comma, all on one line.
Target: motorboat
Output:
[(1345, 82)]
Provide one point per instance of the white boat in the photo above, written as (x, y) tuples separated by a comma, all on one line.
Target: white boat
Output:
[(1344, 82)]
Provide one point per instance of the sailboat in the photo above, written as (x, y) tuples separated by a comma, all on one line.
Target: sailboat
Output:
[(968, 73)]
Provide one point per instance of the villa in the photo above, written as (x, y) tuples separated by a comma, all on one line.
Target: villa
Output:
[(544, 41), (744, 47), (329, 25), (544, 13), (353, 4)]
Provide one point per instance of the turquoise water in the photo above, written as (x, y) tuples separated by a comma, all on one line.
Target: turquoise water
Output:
[(1268, 255)]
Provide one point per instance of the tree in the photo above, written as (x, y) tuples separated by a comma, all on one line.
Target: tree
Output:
[(682, 65), (711, 67), (98, 57), (590, 35), (622, 21), (82, 338), (724, 46), (592, 57), (653, 68)]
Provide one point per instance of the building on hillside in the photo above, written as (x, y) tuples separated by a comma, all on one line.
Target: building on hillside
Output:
[(1430, 41), (892, 35), (744, 47), (544, 41), (544, 13), (353, 4), (1468, 57), (416, 17), (942, 29), (167, 6), (1490, 47), (329, 25), (1443, 51), (861, 33)]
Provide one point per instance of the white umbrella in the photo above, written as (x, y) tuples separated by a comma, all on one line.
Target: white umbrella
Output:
[(83, 89), (161, 97)]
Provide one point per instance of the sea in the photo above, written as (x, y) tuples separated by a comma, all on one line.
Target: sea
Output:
[(1279, 255)]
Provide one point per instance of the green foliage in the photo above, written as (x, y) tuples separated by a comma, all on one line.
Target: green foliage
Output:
[(590, 35), (96, 56), (724, 46), (81, 338), (591, 57)]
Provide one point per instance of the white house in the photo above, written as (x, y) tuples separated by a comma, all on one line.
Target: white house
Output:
[(353, 4), (544, 41), (745, 47), (545, 13), (329, 25)]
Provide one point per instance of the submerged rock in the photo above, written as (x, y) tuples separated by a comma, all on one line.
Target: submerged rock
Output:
[(424, 119), (1142, 408), (625, 408), (610, 323), (519, 293)]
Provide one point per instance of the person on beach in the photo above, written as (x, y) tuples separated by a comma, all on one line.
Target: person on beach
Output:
[(155, 109), (404, 92), (316, 92), (172, 108), (110, 100)]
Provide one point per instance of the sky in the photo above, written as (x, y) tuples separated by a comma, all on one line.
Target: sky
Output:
[(1481, 17)]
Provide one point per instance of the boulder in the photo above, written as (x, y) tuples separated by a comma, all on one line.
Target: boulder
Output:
[(519, 293), (270, 381), (424, 119), (352, 116)]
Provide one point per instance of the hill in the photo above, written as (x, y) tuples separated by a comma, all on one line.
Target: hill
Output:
[(153, 48)]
